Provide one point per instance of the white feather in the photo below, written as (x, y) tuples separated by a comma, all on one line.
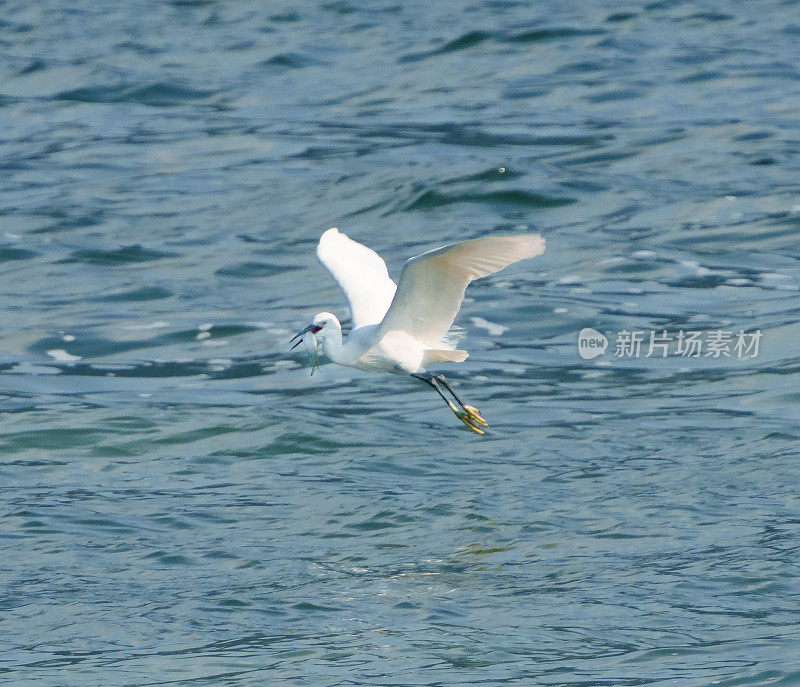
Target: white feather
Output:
[(361, 273), (432, 285), (404, 328)]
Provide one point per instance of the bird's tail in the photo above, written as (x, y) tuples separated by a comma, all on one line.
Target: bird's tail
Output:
[(433, 355)]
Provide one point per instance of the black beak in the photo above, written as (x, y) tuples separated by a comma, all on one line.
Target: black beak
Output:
[(299, 336)]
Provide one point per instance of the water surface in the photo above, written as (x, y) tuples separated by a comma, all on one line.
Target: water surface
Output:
[(183, 503)]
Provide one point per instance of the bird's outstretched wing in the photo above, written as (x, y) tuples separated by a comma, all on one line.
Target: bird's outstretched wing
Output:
[(361, 274), (432, 285)]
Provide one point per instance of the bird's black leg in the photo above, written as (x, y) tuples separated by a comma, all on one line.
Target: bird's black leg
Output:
[(428, 378), (468, 415), (443, 380), (474, 415)]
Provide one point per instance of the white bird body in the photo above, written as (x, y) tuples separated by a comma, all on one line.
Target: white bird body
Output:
[(402, 328), (395, 351)]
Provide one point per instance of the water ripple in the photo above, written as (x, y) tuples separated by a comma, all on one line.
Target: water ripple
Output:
[(183, 502)]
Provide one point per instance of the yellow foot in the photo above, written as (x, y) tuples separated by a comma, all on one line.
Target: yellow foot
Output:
[(469, 417), (467, 420), (475, 416)]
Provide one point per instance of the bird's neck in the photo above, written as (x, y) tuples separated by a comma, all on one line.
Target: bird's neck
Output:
[(332, 347)]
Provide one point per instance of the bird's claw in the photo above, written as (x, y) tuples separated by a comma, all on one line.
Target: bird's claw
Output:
[(467, 420), (470, 417), (475, 416)]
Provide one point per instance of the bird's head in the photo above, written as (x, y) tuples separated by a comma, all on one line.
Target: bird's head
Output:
[(324, 326)]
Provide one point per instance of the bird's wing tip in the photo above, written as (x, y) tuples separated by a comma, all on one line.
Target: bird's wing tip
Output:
[(333, 231), (330, 235)]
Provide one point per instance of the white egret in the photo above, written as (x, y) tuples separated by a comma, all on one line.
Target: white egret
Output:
[(402, 328)]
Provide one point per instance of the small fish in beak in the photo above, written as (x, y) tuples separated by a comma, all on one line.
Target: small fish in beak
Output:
[(313, 328)]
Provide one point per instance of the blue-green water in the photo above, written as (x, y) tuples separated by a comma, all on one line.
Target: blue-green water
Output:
[(181, 503)]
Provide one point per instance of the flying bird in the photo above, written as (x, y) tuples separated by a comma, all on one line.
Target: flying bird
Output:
[(401, 328)]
